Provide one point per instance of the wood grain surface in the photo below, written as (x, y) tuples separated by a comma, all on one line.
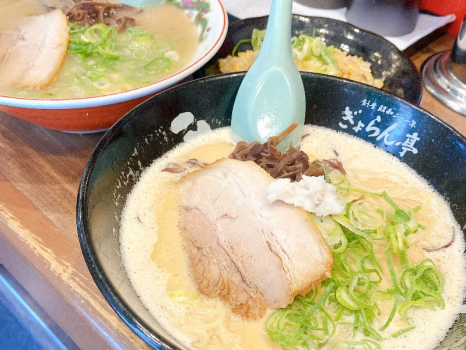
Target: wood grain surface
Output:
[(39, 175)]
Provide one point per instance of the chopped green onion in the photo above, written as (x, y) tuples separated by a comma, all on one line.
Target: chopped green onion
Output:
[(257, 38), (244, 41), (344, 298), (310, 49), (402, 331), (317, 46), (345, 222), (392, 313), (331, 231), (354, 288), (99, 49), (302, 322), (363, 216), (340, 181), (101, 83), (158, 65)]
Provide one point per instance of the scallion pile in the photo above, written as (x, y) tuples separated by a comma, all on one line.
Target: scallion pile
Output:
[(311, 49), (352, 296), (105, 56)]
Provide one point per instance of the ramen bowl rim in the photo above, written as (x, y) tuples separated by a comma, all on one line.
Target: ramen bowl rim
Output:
[(105, 286)]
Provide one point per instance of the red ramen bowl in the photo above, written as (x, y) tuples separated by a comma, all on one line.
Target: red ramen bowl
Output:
[(99, 113)]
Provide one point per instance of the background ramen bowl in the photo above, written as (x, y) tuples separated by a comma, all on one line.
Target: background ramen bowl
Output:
[(144, 134), (100, 113), (400, 75)]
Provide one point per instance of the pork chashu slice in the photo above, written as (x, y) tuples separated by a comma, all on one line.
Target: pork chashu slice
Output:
[(249, 253), (32, 55)]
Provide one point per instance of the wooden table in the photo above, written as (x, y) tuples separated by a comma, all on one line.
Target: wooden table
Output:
[(39, 176)]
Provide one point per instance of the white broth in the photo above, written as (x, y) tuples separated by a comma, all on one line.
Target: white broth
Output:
[(153, 256)]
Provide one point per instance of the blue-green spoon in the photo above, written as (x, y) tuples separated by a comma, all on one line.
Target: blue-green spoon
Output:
[(271, 96)]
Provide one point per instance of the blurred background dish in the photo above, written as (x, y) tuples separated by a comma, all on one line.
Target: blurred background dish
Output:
[(146, 133), (399, 74), (384, 17), (427, 23), (97, 113), (324, 4)]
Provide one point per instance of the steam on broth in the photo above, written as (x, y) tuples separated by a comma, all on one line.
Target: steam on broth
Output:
[(162, 41), (153, 255)]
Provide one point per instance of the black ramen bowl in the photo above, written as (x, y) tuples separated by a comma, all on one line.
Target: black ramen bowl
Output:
[(428, 145), (400, 76)]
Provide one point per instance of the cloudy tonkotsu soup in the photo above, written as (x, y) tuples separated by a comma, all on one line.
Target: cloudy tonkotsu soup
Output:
[(153, 256), (165, 42)]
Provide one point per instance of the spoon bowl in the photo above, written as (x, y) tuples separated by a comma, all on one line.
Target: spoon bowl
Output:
[(271, 96)]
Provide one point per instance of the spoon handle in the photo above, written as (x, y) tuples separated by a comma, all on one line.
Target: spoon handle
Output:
[(278, 33)]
